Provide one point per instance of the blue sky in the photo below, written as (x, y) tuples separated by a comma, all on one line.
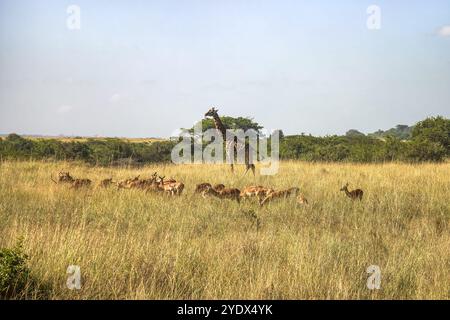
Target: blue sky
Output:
[(146, 68)]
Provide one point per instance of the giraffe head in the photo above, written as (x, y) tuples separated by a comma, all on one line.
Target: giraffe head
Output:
[(211, 112)]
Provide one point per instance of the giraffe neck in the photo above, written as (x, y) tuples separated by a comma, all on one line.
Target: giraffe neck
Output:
[(219, 125)]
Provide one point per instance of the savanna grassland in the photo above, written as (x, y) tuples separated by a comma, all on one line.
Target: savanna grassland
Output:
[(133, 245)]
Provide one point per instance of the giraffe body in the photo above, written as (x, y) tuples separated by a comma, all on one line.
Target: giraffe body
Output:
[(233, 145)]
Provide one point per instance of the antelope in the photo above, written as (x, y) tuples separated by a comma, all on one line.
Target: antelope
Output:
[(249, 191), (168, 181), (78, 183), (179, 187), (144, 183), (202, 187), (174, 188), (219, 187), (354, 194), (105, 183), (138, 184), (279, 194), (149, 181), (154, 187), (301, 199), (226, 193), (63, 177), (126, 183), (258, 191), (165, 187)]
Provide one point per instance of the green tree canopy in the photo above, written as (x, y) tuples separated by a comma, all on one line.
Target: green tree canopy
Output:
[(433, 129), (243, 123), (431, 140)]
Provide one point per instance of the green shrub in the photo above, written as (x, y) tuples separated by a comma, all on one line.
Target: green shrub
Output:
[(14, 272)]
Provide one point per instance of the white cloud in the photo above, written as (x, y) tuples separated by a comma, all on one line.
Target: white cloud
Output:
[(64, 109), (444, 31), (115, 98)]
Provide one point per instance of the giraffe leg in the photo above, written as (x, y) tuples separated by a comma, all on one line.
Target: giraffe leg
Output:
[(248, 167)]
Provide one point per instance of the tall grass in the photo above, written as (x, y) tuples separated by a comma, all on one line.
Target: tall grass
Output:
[(132, 245)]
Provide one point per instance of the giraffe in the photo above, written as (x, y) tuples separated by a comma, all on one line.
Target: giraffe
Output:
[(234, 145)]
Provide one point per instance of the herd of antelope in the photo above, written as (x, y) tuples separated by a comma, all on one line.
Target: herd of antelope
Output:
[(154, 183), (172, 187)]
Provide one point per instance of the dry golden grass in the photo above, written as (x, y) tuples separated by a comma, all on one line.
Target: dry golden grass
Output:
[(132, 245)]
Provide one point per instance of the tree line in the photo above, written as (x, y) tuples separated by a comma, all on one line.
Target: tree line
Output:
[(104, 152), (428, 140)]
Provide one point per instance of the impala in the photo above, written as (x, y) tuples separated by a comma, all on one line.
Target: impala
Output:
[(279, 194), (105, 183), (173, 188), (256, 191), (226, 193), (63, 177), (78, 183), (202, 187), (354, 194), (126, 183)]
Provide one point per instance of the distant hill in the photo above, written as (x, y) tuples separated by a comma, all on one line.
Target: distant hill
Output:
[(64, 138), (354, 133), (401, 131)]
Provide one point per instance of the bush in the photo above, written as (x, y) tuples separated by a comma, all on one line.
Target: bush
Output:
[(433, 129), (424, 150), (14, 272), (431, 140)]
